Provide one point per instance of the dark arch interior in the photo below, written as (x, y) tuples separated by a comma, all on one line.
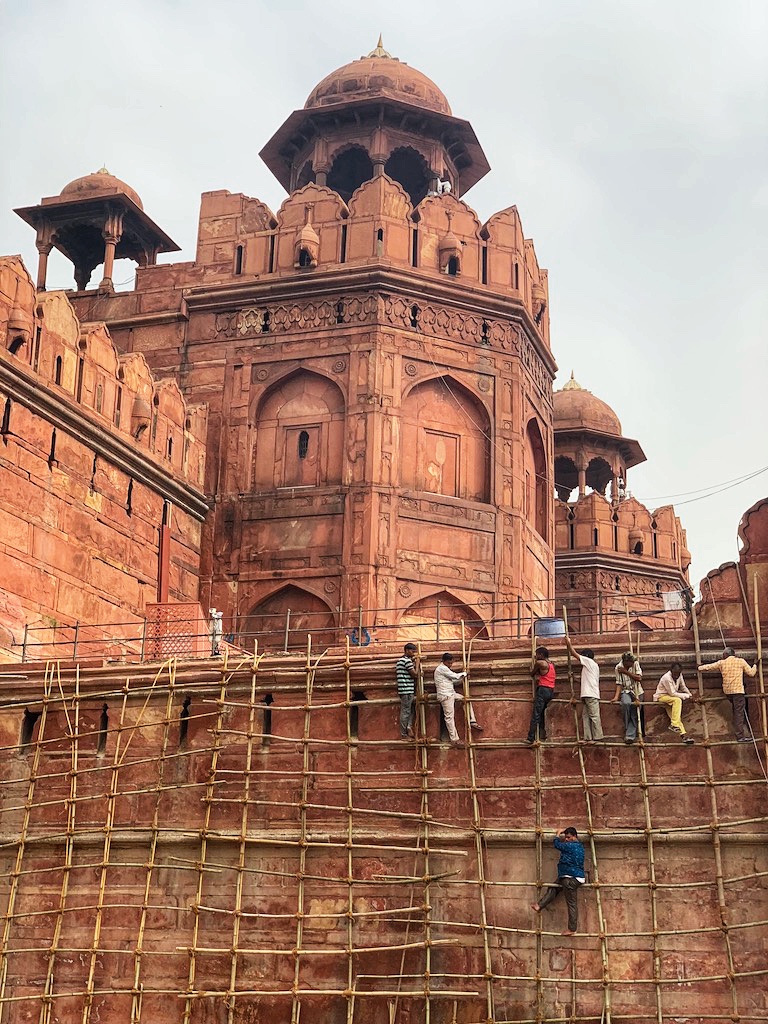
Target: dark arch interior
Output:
[(306, 175), (350, 169), (408, 167), (566, 477), (599, 475)]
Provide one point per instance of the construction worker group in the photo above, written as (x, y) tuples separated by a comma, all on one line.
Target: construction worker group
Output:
[(671, 693)]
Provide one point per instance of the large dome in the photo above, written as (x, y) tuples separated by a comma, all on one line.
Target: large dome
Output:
[(575, 408), (100, 183), (378, 74)]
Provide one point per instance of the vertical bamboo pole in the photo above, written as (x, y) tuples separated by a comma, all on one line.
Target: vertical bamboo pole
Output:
[(242, 849), (437, 625), (15, 874), (478, 835), (629, 628), (73, 730), (657, 952), (306, 772), (24, 643), (760, 678), (350, 841), (423, 758), (715, 827), (208, 801), (109, 825), (287, 629), (136, 1003)]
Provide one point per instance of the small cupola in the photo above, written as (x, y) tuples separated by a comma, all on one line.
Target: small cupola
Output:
[(449, 249)]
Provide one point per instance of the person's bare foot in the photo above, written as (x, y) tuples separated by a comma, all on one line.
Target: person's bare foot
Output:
[(457, 744), (566, 932), (536, 907)]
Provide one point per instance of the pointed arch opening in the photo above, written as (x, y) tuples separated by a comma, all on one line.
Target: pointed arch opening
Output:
[(299, 434), (349, 170), (293, 609), (446, 434), (599, 475), (537, 483), (566, 477), (423, 621), (409, 168)]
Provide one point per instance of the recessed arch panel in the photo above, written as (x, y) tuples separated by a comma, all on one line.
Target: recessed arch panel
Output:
[(446, 438), (420, 620), (309, 614), (299, 433)]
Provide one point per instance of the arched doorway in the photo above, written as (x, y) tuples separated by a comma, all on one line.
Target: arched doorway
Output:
[(309, 614), (566, 477), (599, 475)]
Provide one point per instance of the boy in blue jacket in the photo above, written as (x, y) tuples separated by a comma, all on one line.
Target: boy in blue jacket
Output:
[(570, 875)]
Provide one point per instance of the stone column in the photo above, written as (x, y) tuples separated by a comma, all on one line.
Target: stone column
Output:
[(44, 249), (111, 234)]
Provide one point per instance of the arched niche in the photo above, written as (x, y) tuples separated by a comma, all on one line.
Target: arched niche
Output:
[(420, 620), (566, 477), (599, 475), (306, 175), (446, 442), (536, 480), (350, 168), (299, 433), (408, 167), (266, 621)]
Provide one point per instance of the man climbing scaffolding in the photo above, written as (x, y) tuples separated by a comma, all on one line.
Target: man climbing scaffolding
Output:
[(570, 875)]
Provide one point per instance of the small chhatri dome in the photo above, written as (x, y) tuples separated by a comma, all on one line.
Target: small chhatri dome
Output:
[(100, 183), (575, 408), (378, 74)]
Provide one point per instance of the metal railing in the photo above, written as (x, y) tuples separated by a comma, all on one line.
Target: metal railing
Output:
[(176, 632)]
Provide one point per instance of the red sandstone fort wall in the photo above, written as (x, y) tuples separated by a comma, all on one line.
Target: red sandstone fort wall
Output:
[(101, 466)]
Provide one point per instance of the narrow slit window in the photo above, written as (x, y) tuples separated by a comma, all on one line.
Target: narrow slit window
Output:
[(415, 248), (484, 265), (36, 356), (92, 486), (80, 375), (271, 268), (118, 405), (239, 259), (343, 249), (5, 427), (516, 276), (57, 371), (414, 316), (103, 729), (354, 714), (380, 242), (28, 723), (184, 722), (169, 449), (129, 498), (52, 452), (303, 444), (453, 266), (266, 727), (595, 536)]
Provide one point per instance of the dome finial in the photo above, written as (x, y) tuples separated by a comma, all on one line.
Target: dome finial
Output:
[(573, 384), (379, 50)]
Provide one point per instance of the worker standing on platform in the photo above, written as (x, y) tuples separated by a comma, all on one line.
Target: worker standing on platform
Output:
[(570, 875), (590, 691), (629, 693), (543, 674), (671, 692), (733, 669), (406, 673), (445, 678)]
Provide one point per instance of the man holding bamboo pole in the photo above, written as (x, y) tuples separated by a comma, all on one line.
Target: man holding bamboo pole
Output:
[(629, 693), (590, 691)]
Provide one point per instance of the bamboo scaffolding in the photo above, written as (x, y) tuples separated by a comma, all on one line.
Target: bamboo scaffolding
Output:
[(349, 830)]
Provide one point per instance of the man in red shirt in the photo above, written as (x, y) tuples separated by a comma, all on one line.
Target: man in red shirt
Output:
[(543, 674)]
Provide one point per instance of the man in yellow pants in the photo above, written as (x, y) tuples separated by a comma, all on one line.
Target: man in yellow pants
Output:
[(671, 692)]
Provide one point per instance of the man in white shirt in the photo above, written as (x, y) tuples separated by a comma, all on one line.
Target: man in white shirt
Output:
[(590, 692), (671, 692), (445, 678)]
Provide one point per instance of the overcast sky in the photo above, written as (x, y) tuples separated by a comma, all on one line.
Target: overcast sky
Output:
[(631, 134)]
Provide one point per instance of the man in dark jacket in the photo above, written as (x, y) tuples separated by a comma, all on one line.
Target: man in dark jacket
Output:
[(570, 875)]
